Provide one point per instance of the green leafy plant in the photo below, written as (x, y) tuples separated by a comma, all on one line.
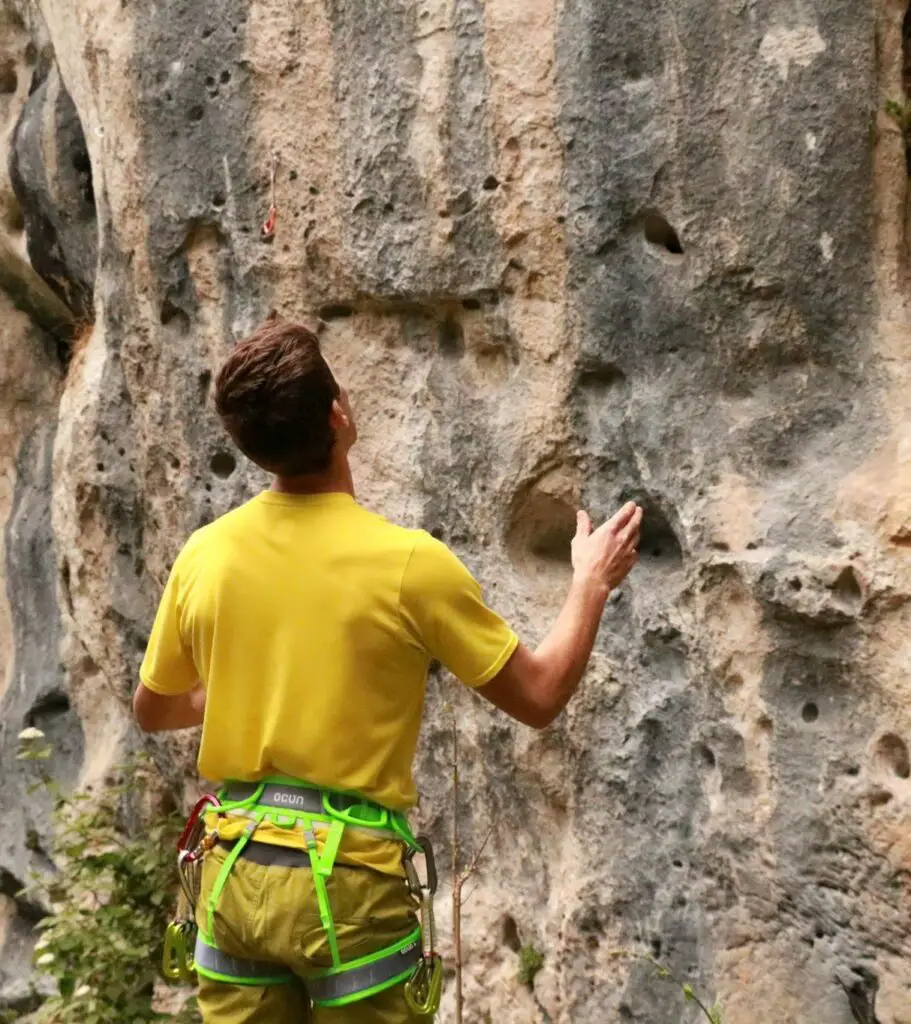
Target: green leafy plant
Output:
[(712, 1014), (531, 960), (110, 901), (900, 114)]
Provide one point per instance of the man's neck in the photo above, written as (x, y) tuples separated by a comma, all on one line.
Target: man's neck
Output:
[(336, 480)]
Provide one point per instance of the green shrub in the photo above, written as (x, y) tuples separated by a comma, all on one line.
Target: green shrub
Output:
[(111, 901), (531, 961)]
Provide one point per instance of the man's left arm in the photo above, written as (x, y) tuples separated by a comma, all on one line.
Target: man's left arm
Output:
[(170, 695), (158, 712)]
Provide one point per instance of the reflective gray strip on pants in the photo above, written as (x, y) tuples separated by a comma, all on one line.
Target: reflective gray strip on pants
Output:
[(347, 983), (212, 962)]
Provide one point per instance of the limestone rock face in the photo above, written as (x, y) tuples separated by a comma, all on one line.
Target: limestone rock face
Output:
[(561, 254)]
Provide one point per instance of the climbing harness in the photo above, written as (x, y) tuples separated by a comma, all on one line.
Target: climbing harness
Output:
[(424, 988), (267, 231), (289, 803)]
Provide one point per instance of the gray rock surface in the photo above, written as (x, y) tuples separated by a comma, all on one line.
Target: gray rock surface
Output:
[(562, 254)]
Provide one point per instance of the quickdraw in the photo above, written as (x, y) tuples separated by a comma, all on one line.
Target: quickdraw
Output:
[(180, 937), (424, 988)]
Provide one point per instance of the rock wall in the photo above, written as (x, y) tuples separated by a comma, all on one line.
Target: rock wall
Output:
[(561, 253)]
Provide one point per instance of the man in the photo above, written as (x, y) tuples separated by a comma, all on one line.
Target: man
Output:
[(298, 630)]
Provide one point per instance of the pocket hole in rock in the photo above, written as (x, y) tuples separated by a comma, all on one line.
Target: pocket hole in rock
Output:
[(658, 544), (511, 937), (892, 755), (706, 755), (847, 587), (471, 303), (9, 80), (335, 311), (450, 337), (196, 113), (658, 232), (223, 464), (542, 526), (491, 182), (809, 712)]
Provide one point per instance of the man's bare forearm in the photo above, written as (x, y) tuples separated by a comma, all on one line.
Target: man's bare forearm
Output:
[(564, 653), (157, 713)]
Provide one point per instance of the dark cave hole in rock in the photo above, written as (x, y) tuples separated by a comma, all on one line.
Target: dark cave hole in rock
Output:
[(171, 313), (50, 705), (223, 464), (600, 377), (677, 863), (218, 200), (471, 303), (810, 712), (658, 544), (659, 232), (388, 208), (450, 337), (706, 755), (99, 466), (880, 797), (9, 80), (795, 584), (549, 527), (491, 182), (202, 382), (655, 945), (847, 587), (335, 311), (625, 1012), (437, 533), (313, 190), (211, 85), (892, 755), (511, 937), (225, 77), (196, 113)]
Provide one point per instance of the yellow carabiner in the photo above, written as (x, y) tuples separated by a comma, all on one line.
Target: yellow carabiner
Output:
[(424, 988), (177, 961)]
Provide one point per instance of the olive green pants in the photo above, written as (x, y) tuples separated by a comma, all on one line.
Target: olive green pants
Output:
[(271, 913)]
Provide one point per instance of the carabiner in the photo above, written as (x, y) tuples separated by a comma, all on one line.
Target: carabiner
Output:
[(192, 833), (422, 845), (424, 989), (177, 962)]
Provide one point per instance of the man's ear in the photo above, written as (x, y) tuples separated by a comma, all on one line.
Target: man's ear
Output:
[(338, 419)]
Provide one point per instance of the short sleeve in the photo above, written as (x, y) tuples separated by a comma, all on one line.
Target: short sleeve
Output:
[(445, 613), (168, 666)]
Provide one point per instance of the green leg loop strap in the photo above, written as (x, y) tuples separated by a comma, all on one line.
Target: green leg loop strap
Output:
[(222, 880), (320, 874)]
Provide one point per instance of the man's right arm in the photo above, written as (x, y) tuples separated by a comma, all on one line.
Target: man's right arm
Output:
[(533, 687)]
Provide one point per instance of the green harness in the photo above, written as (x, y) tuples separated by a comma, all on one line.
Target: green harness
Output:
[(286, 803)]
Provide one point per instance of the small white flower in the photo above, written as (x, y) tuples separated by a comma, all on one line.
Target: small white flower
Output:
[(41, 943), (45, 959), (83, 990), (31, 734)]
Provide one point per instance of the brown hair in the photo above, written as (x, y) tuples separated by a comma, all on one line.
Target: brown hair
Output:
[(274, 395)]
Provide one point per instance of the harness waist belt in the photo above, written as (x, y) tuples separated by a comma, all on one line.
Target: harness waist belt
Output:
[(281, 797)]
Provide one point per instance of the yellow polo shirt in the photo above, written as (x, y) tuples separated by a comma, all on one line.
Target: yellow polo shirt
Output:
[(312, 622)]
